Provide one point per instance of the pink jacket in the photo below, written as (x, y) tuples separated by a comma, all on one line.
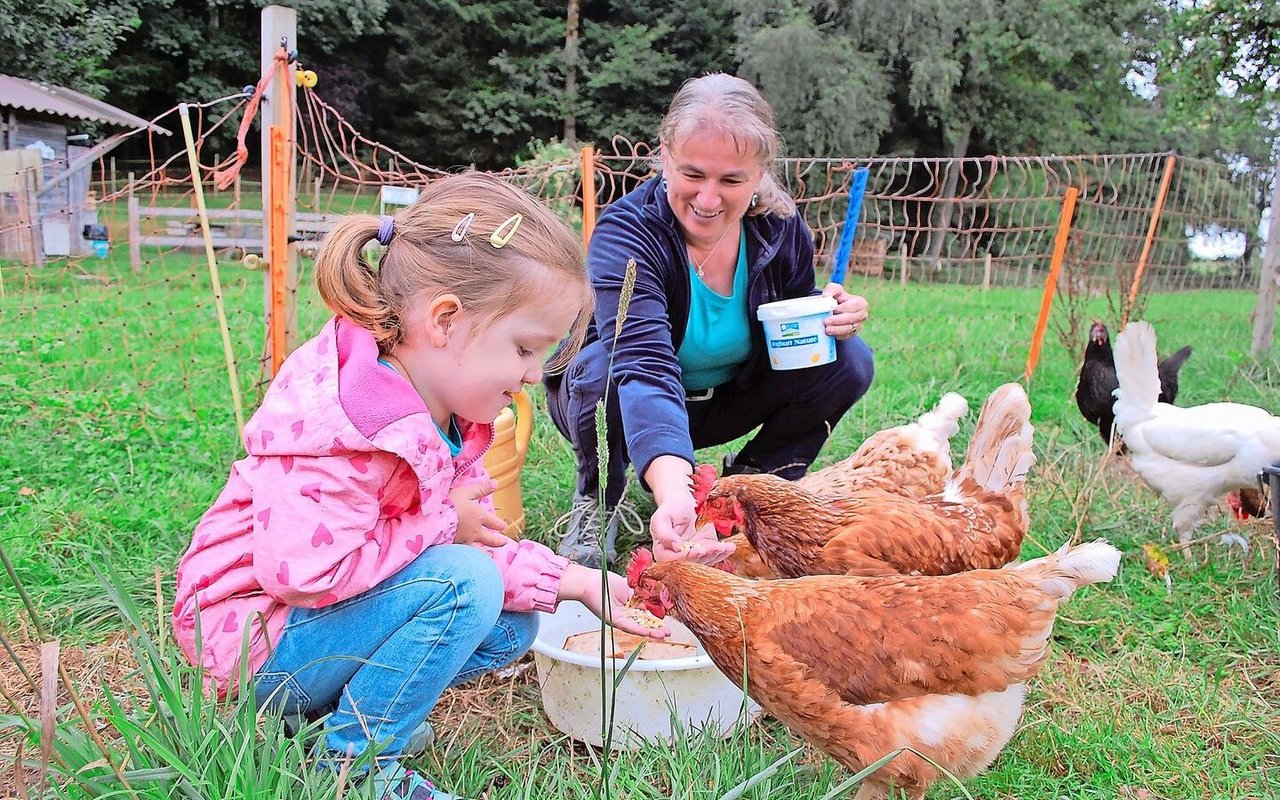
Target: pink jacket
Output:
[(346, 481)]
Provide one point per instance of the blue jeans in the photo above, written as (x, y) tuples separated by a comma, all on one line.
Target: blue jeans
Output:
[(384, 657)]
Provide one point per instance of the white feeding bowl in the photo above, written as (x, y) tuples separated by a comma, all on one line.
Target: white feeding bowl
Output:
[(656, 699)]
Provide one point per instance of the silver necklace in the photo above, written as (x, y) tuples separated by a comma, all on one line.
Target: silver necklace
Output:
[(700, 268)]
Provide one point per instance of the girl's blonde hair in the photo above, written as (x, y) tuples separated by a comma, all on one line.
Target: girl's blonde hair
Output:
[(422, 259), (730, 105)]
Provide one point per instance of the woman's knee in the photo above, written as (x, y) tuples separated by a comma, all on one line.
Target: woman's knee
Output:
[(857, 368), (580, 387)]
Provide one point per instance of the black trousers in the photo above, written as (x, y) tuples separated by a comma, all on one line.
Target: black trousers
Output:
[(795, 409)]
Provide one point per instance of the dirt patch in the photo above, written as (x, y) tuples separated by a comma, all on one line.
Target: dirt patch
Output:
[(109, 663)]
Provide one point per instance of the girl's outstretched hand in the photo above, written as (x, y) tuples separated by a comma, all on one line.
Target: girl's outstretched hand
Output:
[(584, 585), (476, 524)]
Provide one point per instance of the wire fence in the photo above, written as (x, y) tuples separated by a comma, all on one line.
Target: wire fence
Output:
[(943, 220), (119, 268)]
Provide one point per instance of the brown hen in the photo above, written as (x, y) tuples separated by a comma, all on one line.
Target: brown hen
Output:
[(863, 666), (978, 521), (912, 460)]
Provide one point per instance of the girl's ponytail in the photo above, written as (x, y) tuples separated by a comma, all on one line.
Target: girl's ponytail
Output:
[(349, 284)]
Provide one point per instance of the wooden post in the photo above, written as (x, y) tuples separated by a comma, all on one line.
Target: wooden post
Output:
[(32, 203), (135, 229), (1161, 194), (588, 194), (279, 24), (986, 272), (1264, 313), (902, 268), (113, 174), (315, 201), (1051, 282)]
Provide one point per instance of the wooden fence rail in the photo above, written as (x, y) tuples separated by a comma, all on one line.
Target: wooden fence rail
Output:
[(232, 229)]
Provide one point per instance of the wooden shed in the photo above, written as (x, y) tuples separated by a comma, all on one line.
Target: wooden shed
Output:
[(44, 177)]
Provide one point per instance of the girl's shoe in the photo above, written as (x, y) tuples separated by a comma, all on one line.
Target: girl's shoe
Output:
[(422, 737), (394, 782)]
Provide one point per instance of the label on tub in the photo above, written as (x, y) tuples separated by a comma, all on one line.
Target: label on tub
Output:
[(801, 342)]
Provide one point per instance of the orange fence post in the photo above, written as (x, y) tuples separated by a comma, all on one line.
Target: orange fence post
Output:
[(278, 247), (1051, 282), (1161, 194), (588, 194)]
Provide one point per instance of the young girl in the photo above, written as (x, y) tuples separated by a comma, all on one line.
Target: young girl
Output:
[(353, 562)]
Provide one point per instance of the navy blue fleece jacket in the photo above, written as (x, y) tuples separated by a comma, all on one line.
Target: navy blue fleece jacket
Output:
[(645, 369)]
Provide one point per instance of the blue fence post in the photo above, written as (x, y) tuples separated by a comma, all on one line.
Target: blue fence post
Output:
[(857, 188)]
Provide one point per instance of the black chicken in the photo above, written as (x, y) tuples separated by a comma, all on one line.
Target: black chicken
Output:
[(1095, 391)]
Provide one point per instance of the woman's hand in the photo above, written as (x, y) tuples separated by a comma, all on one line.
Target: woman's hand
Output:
[(476, 524), (676, 535), (584, 585), (850, 314), (674, 523)]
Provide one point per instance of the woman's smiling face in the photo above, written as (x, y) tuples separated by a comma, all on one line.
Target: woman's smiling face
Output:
[(710, 180)]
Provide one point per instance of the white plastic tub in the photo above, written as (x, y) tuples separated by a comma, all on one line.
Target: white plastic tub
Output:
[(794, 332), (655, 700)]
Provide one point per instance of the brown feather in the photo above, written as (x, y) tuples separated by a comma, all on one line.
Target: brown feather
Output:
[(874, 532), (863, 666)]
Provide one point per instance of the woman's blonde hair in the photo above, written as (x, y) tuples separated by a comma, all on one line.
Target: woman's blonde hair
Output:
[(728, 104), (433, 249)]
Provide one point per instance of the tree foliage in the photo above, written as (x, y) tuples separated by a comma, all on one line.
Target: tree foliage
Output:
[(64, 42), (1220, 77), (455, 83)]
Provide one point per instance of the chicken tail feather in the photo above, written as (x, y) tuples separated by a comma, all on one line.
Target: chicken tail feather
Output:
[(1135, 353), (944, 420), (999, 455), (1061, 573), (1173, 364)]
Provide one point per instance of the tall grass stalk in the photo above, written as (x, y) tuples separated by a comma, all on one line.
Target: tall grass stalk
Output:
[(609, 683)]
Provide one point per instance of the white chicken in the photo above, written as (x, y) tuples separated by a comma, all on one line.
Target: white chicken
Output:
[(1191, 456)]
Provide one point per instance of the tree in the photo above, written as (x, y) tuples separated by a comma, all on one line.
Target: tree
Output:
[(64, 42), (829, 96), (935, 78), (1223, 47), (635, 55), (200, 50), (471, 83)]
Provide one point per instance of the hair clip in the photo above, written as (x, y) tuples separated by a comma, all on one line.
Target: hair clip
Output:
[(386, 227), (503, 233), (464, 225)]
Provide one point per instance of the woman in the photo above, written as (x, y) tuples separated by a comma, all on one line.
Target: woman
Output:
[(713, 237)]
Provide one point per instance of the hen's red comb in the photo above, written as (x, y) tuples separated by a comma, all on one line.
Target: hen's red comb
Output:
[(704, 477), (640, 561)]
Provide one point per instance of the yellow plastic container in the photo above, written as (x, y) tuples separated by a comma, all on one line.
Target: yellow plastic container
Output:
[(505, 460)]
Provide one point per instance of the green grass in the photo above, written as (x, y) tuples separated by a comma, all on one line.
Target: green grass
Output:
[(119, 432)]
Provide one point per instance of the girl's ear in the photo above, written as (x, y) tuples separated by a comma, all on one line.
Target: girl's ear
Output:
[(441, 313)]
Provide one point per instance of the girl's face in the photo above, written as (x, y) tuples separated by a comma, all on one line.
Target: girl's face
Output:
[(710, 180), (483, 363)]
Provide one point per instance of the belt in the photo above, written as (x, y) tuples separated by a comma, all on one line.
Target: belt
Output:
[(701, 394)]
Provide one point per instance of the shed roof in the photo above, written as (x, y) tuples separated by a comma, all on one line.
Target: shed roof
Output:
[(57, 100)]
